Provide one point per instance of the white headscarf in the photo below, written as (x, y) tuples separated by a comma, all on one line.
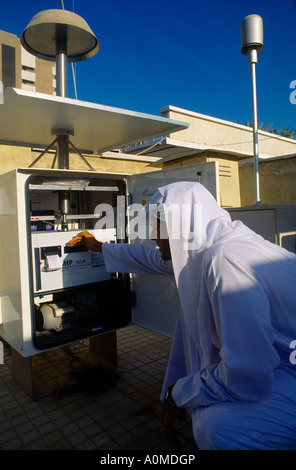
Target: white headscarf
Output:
[(202, 225)]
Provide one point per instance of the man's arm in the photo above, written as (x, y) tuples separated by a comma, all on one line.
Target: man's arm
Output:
[(125, 258), (135, 258)]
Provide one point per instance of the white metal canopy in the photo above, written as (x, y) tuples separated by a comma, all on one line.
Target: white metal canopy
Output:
[(29, 118)]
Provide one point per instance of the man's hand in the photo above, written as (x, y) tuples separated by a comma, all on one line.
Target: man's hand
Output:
[(85, 239), (170, 413)]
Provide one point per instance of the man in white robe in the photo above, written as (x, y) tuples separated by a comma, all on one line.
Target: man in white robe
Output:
[(231, 363)]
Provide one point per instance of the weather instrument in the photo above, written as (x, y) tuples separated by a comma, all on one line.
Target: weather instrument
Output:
[(251, 45)]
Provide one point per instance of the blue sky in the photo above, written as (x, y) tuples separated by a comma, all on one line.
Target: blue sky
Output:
[(185, 53)]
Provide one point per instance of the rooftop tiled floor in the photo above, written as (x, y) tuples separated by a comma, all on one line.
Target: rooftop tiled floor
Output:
[(126, 416)]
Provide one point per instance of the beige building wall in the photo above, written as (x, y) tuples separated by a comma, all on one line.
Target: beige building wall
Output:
[(45, 77), (224, 136), (277, 179), (277, 182), (228, 175), (13, 41), (12, 157), (232, 146), (31, 73)]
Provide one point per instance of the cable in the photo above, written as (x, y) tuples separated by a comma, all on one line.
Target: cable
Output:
[(72, 65), (149, 148)]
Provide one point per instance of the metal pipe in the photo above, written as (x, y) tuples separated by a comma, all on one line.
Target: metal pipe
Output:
[(252, 63), (62, 73), (63, 152), (62, 90), (251, 44), (64, 206)]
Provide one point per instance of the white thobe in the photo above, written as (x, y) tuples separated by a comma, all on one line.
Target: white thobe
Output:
[(234, 375)]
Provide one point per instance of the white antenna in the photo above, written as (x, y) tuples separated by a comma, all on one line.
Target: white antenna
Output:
[(251, 44)]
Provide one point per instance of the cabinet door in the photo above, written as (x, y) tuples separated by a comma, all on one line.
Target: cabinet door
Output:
[(156, 297)]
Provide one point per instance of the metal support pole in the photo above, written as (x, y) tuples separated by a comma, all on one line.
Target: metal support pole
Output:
[(252, 63), (63, 152), (82, 157), (62, 74), (61, 61), (62, 90)]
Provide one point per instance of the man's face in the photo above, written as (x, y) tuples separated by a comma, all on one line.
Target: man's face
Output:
[(163, 243)]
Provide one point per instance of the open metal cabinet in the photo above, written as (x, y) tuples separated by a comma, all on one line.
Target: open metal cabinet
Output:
[(52, 295)]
